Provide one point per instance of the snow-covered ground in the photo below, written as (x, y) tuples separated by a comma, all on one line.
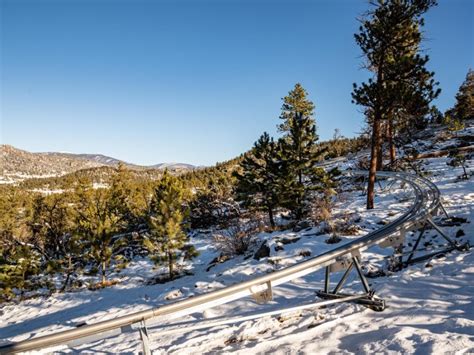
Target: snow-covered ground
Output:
[(430, 305)]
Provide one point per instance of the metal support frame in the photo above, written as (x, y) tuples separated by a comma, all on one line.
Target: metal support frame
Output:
[(452, 244), (326, 280), (144, 337), (416, 245), (443, 209), (450, 241), (361, 274), (366, 299), (343, 278)]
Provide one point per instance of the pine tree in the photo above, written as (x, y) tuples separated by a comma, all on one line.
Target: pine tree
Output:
[(295, 102), (19, 262), (166, 222), (402, 88), (98, 223), (299, 149), (259, 181), (212, 202), (50, 222), (51, 225), (464, 107), (123, 198)]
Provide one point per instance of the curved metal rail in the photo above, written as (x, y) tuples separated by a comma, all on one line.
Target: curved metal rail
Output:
[(426, 203)]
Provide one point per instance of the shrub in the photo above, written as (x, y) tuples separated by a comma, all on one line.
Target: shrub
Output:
[(237, 239)]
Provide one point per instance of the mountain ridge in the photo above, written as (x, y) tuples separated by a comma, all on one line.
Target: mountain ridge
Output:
[(16, 163)]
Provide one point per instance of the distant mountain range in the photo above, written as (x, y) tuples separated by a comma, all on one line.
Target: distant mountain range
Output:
[(16, 163)]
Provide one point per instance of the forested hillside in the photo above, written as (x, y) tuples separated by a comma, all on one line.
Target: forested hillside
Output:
[(19, 165)]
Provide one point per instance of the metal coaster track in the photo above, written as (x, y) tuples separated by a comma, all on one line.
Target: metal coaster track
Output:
[(426, 204)]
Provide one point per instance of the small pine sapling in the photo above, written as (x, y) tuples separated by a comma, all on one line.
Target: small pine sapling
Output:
[(459, 160), (166, 223)]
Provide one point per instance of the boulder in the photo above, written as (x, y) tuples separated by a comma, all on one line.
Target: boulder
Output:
[(262, 252)]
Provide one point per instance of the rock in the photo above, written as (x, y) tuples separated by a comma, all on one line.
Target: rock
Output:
[(301, 225), (460, 233), (173, 294), (333, 240), (304, 253), (262, 252), (452, 222), (217, 260), (289, 240), (279, 248)]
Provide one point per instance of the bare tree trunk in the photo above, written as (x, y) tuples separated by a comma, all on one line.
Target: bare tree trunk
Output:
[(170, 264), (391, 143), (376, 141), (103, 272), (379, 146), (373, 163), (270, 216), (68, 276), (379, 155)]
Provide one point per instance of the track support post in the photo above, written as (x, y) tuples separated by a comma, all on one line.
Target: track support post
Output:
[(144, 337), (366, 299)]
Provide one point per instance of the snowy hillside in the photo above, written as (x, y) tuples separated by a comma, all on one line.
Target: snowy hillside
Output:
[(430, 305), (18, 165)]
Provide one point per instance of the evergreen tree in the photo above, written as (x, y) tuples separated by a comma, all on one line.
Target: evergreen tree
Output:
[(464, 107), (402, 87), (51, 225), (213, 204), (166, 222), (124, 198), (259, 181), (299, 149), (98, 223), (19, 262), (295, 102)]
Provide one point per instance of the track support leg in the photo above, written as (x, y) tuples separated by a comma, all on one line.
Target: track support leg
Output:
[(453, 245), (343, 278), (144, 337), (450, 241), (366, 299), (355, 261), (326, 280), (444, 210), (416, 244)]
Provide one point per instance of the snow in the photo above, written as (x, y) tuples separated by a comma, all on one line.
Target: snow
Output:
[(429, 305), (48, 191)]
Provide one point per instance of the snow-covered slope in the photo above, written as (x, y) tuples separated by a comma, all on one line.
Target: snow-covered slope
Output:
[(430, 305)]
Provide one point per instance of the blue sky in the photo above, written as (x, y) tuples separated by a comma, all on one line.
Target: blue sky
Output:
[(191, 81)]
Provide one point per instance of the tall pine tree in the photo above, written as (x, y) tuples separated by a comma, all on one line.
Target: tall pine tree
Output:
[(389, 38), (299, 150), (464, 107), (295, 102)]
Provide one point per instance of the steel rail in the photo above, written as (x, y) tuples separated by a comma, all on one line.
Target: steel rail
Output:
[(426, 193)]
